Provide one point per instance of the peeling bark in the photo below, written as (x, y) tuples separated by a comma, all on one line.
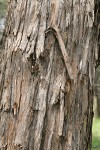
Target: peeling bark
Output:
[(46, 93)]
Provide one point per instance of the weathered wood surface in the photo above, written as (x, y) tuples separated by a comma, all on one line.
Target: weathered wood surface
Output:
[(41, 106)]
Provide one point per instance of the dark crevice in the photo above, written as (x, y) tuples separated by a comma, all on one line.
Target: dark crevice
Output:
[(97, 28)]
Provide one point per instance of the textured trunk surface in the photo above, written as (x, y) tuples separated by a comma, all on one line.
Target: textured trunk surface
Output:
[(98, 106), (97, 91), (47, 75)]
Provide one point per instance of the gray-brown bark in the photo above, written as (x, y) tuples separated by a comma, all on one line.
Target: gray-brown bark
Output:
[(97, 29), (97, 91), (42, 106)]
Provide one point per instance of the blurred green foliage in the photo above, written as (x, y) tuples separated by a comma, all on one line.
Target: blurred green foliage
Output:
[(3, 8), (96, 134)]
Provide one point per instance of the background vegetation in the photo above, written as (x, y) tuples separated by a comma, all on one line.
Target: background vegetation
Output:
[(3, 7), (96, 133)]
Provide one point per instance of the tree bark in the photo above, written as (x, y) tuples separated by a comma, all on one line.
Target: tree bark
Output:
[(97, 91), (97, 29), (47, 75)]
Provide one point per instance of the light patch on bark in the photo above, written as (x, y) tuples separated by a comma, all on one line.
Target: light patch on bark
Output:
[(61, 114)]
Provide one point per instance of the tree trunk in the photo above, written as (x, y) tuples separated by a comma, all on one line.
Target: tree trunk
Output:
[(97, 80), (97, 91), (47, 75), (98, 106)]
